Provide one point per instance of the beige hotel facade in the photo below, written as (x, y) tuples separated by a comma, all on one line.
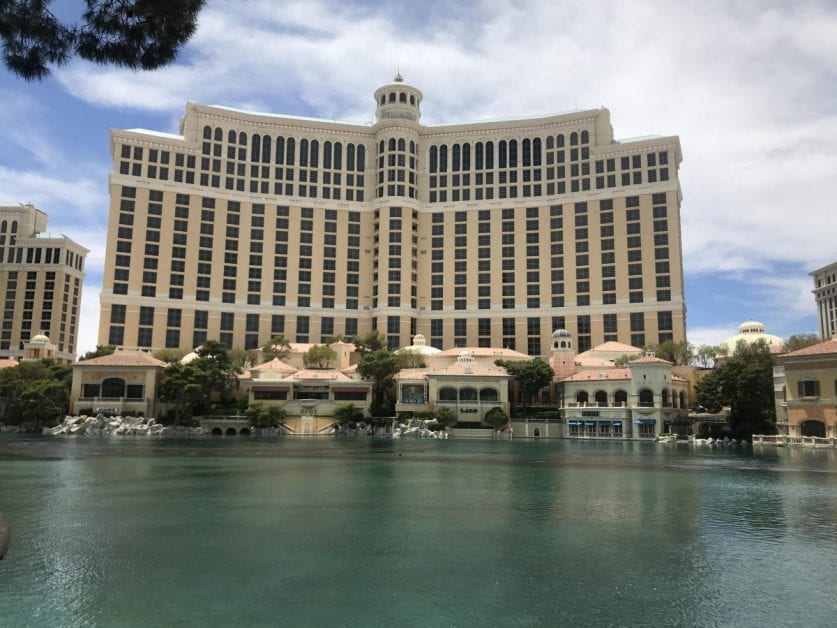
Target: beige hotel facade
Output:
[(41, 277), (247, 225)]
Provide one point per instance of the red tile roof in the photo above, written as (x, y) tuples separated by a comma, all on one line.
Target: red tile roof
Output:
[(822, 348), (123, 358)]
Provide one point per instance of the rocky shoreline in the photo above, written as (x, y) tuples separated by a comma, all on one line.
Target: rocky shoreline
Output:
[(101, 425)]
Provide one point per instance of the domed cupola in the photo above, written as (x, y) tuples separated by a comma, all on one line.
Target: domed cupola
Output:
[(398, 101)]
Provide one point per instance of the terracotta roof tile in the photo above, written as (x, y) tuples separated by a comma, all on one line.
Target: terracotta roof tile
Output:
[(650, 360), (596, 376), (124, 358), (275, 365), (822, 348)]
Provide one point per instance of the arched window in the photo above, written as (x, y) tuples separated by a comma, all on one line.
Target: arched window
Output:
[(527, 153), (434, 159), (219, 134), (391, 144), (3, 226), (383, 99), (242, 138), (812, 427), (402, 97), (454, 165), (489, 394), (489, 155), (381, 147), (231, 137), (412, 147), (512, 153), (479, 156), (468, 394), (315, 154), (620, 397), (466, 157), (573, 139), (412, 99), (402, 145), (255, 147), (266, 149), (536, 151), (350, 157), (207, 132), (601, 398), (443, 158), (303, 153), (503, 154), (289, 153), (113, 387), (550, 142), (682, 399), (646, 398), (280, 150), (338, 156), (559, 141), (327, 155), (664, 396), (581, 396), (361, 158), (585, 137), (392, 96), (447, 394)]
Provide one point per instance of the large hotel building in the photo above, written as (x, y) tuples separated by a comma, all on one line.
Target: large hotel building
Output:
[(41, 276), (247, 225)]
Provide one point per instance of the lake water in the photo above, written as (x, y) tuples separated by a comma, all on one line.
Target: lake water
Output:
[(221, 532)]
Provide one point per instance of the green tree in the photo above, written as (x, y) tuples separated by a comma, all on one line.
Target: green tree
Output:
[(319, 357), (263, 415), (35, 393), (170, 355), (136, 34), (99, 351), (623, 360), (348, 413), (496, 418), (530, 375), (706, 355), (744, 383), (208, 382), (380, 367), (445, 417), (411, 360), (679, 353), (276, 347), (800, 341), (368, 343)]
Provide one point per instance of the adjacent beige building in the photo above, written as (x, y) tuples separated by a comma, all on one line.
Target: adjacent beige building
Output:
[(41, 276), (480, 234), (825, 292)]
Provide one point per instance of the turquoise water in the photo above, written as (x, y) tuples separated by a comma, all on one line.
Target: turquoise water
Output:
[(374, 532)]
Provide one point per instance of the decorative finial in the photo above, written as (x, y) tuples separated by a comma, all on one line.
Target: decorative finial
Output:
[(398, 78)]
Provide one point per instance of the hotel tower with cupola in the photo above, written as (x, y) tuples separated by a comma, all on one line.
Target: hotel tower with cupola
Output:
[(246, 225)]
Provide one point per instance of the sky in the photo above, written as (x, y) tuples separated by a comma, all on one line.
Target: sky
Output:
[(750, 88)]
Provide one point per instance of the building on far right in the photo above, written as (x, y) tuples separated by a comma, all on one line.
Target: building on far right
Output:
[(825, 291), (805, 385)]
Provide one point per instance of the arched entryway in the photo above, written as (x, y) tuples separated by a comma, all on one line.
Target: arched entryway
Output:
[(812, 427), (231, 431), (601, 398), (216, 431), (646, 398), (537, 432)]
